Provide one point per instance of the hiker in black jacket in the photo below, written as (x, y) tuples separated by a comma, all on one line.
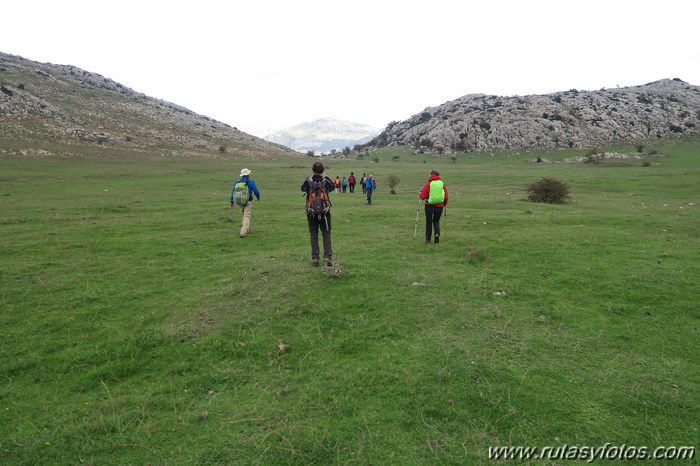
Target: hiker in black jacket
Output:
[(318, 215)]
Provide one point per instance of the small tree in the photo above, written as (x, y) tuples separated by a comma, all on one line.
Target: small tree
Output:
[(393, 181), (548, 190)]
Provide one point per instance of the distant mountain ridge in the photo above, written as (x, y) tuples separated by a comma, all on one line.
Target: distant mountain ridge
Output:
[(571, 119), (56, 109), (323, 135), (48, 109)]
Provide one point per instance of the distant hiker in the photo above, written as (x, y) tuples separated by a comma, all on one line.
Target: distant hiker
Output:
[(344, 184), (242, 196), (351, 182), (318, 213), (370, 186), (363, 180), (337, 184), (434, 193)]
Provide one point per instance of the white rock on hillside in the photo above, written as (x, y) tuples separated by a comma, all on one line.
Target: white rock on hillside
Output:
[(565, 120)]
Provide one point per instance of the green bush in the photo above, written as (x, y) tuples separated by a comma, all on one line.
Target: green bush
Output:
[(548, 190)]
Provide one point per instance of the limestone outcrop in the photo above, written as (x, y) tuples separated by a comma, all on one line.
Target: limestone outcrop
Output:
[(568, 120)]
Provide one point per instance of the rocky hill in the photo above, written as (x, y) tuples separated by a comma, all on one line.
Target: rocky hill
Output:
[(61, 109), (571, 119), (324, 135)]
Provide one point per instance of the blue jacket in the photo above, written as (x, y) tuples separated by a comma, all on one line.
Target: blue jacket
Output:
[(370, 184), (252, 188)]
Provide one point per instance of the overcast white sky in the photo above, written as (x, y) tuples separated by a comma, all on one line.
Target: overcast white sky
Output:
[(262, 65)]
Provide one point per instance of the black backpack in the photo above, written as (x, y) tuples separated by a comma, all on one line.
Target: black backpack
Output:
[(317, 201)]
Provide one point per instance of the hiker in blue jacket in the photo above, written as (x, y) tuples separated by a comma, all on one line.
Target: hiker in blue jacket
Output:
[(370, 186), (245, 205)]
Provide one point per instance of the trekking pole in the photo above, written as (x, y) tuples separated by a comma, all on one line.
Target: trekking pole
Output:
[(444, 230), (415, 230)]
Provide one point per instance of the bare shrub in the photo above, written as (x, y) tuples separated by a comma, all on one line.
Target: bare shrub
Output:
[(393, 181)]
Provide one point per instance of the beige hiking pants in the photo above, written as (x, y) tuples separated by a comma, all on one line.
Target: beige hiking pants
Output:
[(246, 210)]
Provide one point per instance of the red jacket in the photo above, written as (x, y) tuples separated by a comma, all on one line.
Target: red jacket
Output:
[(425, 192)]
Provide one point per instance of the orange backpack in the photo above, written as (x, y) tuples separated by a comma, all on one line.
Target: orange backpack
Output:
[(317, 201)]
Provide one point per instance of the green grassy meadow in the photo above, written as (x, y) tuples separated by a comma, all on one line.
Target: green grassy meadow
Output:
[(136, 327)]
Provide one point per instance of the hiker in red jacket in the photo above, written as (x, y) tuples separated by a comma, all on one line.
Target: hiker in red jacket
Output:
[(434, 193)]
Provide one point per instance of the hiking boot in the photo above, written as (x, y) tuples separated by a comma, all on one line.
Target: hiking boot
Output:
[(327, 262), (427, 240), (314, 262), (437, 239)]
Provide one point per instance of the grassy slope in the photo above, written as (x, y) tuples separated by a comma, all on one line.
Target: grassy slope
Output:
[(136, 327)]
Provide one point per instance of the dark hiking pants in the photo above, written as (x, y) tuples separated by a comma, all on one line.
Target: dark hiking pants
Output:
[(322, 223), (432, 220)]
